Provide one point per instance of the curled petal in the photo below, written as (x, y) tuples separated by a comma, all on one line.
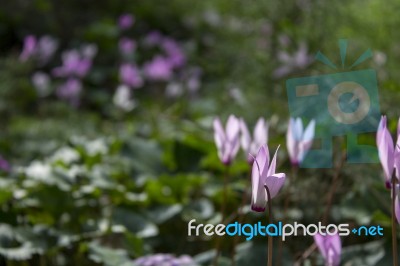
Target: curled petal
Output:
[(274, 184), (272, 167), (258, 192), (262, 160)]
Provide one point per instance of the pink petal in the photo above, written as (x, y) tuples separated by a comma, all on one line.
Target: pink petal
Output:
[(386, 152), (232, 127), (272, 167), (262, 159), (274, 184), (219, 135), (245, 137), (258, 192), (261, 132)]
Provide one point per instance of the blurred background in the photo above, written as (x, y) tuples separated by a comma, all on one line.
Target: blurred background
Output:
[(106, 138)]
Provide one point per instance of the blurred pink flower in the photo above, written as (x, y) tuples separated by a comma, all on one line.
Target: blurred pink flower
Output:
[(29, 48), (129, 75), (299, 140), (41, 49), (125, 21), (330, 247), (289, 63), (153, 38), (227, 140), (4, 164), (175, 54), (70, 89), (74, 64), (251, 144), (127, 46), (159, 69)]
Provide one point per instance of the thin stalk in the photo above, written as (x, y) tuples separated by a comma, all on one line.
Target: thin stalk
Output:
[(222, 211), (331, 194), (270, 240), (286, 206), (240, 214), (394, 240)]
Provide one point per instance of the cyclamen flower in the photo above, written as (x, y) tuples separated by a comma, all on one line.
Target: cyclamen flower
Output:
[(159, 69), (260, 137), (29, 47), (129, 75), (263, 174), (227, 141), (125, 21), (41, 49), (175, 55), (397, 205), (298, 140), (74, 64), (389, 155), (330, 248), (70, 90), (4, 165), (164, 260), (299, 60), (127, 46)]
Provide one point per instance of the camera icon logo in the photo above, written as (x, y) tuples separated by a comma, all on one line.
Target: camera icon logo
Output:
[(342, 104)]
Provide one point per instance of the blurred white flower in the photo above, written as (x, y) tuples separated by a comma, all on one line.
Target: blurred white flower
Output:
[(66, 155), (41, 82), (38, 170), (123, 98)]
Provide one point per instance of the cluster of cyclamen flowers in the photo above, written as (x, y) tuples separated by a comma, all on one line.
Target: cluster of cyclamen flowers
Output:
[(265, 179), (76, 64), (162, 67), (167, 64)]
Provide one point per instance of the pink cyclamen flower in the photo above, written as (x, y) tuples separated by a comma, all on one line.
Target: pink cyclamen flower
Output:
[(388, 153), (74, 64), (298, 140), (175, 55), (227, 141), (159, 69), (330, 248), (129, 75), (263, 174), (125, 21), (4, 165), (29, 48), (251, 144), (70, 90), (126, 46)]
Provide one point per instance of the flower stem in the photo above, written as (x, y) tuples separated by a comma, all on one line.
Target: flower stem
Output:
[(394, 240), (270, 240), (240, 215), (222, 211)]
